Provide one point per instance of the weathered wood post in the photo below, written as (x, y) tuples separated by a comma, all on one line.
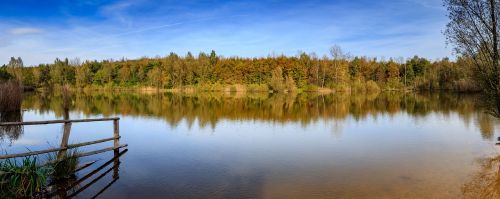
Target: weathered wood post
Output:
[(116, 164), (116, 132), (64, 141)]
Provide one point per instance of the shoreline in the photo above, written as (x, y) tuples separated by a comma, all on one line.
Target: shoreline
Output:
[(242, 89)]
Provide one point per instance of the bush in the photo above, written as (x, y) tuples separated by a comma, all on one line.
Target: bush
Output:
[(394, 84), (257, 88), (372, 87), (342, 88), (4, 75), (311, 88), (233, 89), (358, 86)]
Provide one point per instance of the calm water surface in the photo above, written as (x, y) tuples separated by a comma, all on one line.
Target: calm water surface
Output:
[(389, 145)]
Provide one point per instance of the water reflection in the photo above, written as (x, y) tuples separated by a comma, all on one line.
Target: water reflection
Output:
[(12, 132), (72, 187), (210, 108), (387, 145)]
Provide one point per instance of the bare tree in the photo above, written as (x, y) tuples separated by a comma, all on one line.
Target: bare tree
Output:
[(473, 29), (75, 62), (337, 55)]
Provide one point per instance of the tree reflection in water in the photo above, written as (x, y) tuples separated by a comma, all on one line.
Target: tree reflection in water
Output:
[(305, 108), (209, 109), (72, 187), (12, 132)]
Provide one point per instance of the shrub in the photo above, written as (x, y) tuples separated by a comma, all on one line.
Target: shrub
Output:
[(4, 75), (358, 86), (311, 88), (372, 87), (232, 89), (394, 84), (342, 88), (257, 88)]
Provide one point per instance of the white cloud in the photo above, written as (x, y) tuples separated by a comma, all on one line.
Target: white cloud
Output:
[(24, 31)]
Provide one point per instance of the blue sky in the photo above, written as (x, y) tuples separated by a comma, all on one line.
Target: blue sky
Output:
[(39, 31)]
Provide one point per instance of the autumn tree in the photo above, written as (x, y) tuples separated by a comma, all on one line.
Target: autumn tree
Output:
[(339, 65), (277, 82), (15, 67), (473, 29), (290, 84), (392, 70), (334, 71), (83, 75)]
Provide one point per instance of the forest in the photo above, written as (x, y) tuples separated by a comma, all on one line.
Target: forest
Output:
[(210, 72)]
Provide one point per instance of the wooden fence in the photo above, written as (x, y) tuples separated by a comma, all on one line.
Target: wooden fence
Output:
[(62, 192), (64, 141)]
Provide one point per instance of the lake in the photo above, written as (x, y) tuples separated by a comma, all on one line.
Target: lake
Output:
[(234, 145)]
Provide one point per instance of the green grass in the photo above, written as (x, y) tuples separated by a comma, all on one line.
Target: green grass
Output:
[(22, 179), (65, 167)]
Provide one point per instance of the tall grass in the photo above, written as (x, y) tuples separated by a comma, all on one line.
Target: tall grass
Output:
[(65, 167), (26, 179), (10, 96), (10, 108), (22, 179)]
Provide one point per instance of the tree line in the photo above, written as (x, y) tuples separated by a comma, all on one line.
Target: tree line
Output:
[(277, 73)]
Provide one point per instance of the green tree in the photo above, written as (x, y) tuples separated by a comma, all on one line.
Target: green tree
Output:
[(15, 67)]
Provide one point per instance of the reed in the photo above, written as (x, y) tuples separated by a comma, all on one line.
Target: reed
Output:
[(63, 168), (10, 96), (22, 179)]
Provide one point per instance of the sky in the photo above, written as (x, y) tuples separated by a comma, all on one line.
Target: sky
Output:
[(40, 31)]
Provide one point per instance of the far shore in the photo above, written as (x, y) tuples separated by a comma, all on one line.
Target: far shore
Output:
[(238, 88)]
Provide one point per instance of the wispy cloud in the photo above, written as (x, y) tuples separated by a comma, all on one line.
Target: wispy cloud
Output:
[(136, 28), (118, 11), (24, 31)]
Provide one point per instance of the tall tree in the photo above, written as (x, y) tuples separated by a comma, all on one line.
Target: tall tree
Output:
[(473, 29), (15, 67), (277, 81)]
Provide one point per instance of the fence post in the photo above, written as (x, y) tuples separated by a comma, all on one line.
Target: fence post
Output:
[(116, 130), (64, 141)]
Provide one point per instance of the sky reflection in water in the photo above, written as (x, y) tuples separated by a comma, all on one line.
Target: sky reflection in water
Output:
[(236, 145)]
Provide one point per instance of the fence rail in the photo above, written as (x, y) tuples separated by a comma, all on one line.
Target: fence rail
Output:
[(58, 121), (62, 192), (65, 138)]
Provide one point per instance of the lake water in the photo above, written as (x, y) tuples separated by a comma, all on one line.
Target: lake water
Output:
[(233, 145)]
